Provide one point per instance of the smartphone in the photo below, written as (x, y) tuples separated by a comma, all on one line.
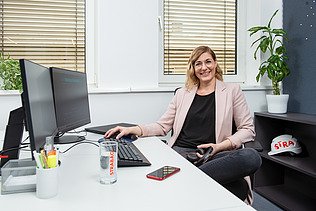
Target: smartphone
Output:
[(163, 172)]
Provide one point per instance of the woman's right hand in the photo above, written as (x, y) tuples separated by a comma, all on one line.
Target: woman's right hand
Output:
[(122, 131), (119, 130)]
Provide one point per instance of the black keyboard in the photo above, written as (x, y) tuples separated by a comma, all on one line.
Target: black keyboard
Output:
[(129, 154)]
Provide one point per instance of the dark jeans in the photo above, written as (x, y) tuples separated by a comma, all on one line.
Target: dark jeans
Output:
[(230, 167)]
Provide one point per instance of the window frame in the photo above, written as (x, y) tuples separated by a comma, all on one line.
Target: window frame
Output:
[(92, 33), (178, 80)]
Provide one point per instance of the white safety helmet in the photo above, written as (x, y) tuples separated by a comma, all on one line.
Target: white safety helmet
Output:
[(285, 143)]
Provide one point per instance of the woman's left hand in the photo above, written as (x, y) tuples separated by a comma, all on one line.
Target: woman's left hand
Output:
[(222, 146), (214, 146)]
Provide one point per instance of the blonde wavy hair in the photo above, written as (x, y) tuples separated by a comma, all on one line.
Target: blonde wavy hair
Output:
[(191, 79)]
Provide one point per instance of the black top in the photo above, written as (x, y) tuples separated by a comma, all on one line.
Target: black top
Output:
[(199, 124)]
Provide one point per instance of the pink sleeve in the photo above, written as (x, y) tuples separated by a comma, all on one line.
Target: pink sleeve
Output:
[(164, 124), (243, 120)]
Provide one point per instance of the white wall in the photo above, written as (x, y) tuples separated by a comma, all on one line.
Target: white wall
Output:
[(126, 46), (259, 12), (125, 52), (8, 102)]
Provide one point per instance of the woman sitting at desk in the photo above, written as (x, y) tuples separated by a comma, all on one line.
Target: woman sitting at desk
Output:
[(201, 115)]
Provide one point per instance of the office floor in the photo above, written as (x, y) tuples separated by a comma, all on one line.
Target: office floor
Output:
[(262, 204)]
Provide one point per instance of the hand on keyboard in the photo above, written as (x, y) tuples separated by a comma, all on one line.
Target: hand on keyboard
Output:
[(121, 132)]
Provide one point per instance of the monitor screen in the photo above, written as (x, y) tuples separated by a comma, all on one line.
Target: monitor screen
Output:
[(38, 103), (71, 101)]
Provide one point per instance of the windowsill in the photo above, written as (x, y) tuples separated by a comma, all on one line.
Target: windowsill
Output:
[(169, 89), (101, 90), (9, 92), (161, 89), (255, 88)]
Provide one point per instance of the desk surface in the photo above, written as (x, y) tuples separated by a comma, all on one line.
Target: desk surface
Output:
[(79, 187)]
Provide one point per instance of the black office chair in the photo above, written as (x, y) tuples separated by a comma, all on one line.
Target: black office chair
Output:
[(244, 189)]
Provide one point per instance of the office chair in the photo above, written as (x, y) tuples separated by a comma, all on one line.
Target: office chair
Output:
[(251, 144)]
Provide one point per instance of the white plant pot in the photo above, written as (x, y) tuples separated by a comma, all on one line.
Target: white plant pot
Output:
[(277, 103)]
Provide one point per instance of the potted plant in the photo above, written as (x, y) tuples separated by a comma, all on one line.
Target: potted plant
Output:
[(10, 73), (271, 42)]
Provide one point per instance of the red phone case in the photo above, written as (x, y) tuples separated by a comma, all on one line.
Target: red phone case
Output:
[(151, 176)]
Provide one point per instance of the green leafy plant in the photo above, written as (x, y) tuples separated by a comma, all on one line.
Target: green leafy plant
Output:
[(10, 73), (271, 40)]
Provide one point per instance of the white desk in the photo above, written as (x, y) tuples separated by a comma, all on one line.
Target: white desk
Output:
[(79, 187)]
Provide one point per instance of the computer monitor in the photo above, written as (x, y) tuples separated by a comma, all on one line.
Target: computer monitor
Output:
[(71, 102), (13, 136), (38, 103)]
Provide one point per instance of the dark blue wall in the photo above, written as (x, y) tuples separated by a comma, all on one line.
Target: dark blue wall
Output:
[(299, 20)]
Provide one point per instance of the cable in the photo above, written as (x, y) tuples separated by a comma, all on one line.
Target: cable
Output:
[(80, 137), (59, 134), (22, 142), (12, 149), (80, 131), (83, 142), (92, 140)]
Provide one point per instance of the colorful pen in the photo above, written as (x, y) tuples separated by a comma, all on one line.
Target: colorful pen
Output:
[(37, 160)]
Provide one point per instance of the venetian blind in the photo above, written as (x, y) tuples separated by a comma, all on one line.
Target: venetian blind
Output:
[(189, 23), (51, 33)]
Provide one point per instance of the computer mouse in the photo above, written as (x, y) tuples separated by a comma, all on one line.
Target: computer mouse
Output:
[(129, 138), (101, 140)]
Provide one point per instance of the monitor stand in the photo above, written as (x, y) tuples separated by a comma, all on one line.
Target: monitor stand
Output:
[(68, 139)]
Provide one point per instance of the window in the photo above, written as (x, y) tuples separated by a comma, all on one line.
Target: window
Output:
[(188, 24), (51, 33)]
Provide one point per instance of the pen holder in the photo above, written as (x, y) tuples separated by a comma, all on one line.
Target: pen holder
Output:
[(47, 182)]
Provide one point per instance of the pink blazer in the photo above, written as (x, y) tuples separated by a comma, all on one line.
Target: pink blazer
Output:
[(230, 104)]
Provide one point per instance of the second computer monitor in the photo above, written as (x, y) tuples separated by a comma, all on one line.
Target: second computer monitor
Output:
[(71, 102)]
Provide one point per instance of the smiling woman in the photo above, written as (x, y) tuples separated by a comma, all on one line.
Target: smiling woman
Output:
[(201, 116)]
